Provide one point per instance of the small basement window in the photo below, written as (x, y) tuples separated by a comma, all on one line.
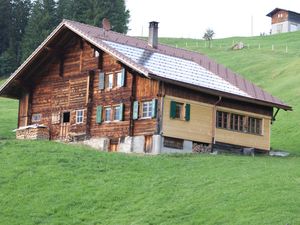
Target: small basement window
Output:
[(173, 143), (66, 117), (36, 117)]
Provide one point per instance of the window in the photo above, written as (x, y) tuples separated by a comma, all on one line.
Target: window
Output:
[(96, 53), (254, 125), (119, 79), (36, 117), (147, 109), (173, 143), (107, 114), (79, 116), (117, 112), (179, 110), (66, 117), (110, 82), (55, 118), (236, 122), (222, 119)]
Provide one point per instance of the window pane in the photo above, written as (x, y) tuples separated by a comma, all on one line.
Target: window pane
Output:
[(110, 80), (79, 116), (107, 114), (119, 79), (178, 110), (117, 113)]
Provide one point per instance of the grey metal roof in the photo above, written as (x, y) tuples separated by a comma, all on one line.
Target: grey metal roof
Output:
[(177, 69)]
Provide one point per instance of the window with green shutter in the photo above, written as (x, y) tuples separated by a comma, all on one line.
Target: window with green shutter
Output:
[(135, 114), (123, 76), (99, 114), (187, 112), (154, 107), (173, 110), (101, 81)]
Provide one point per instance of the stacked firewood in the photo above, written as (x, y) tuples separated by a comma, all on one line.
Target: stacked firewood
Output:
[(33, 133), (201, 148)]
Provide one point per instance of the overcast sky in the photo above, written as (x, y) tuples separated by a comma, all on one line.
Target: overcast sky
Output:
[(190, 18)]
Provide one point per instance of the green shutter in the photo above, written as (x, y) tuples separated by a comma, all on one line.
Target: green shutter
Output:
[(123, 77), (99, 114), (135, 114), (173, 110), (121, 111), (154, 107), (101, 81), (187, 112)]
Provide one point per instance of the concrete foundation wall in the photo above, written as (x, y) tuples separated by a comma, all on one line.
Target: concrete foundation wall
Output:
[(126, 146), (138, 144), (100, 143), (187, 148)]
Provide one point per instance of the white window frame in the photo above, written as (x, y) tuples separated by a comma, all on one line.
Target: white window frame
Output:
[(110, 83), (116, 113), (119, 79), (79, 118), (107, 108), (146, 111)]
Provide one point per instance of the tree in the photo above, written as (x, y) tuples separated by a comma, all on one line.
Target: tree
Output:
[(208, 36), (93, 11), (5, 16), (41, 22), (14, 17)]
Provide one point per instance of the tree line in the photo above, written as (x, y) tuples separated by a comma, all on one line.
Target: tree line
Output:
[(24, 24)]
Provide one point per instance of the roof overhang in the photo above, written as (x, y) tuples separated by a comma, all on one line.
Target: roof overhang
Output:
[(222, 94)]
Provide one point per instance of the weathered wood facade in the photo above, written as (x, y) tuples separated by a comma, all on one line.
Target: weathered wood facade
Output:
[(82, 89)]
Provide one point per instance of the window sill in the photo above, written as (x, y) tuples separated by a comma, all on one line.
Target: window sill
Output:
[(145, 118)]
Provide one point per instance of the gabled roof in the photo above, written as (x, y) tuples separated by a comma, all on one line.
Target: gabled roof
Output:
[(183, 67), (274, 11)]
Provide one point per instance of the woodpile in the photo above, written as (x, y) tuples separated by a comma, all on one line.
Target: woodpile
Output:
[(33, 133), (201, 148)]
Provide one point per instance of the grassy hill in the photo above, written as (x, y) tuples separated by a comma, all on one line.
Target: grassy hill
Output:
[(54, 183), (277, 71)]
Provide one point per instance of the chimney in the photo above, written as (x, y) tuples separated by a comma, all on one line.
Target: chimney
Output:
[(153, 34), (106, 24)]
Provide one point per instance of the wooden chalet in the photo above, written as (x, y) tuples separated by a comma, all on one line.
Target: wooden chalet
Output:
[(125, 94), (284, 21)]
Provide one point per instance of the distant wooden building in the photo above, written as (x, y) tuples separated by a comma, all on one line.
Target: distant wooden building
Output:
[(125, 94), (284, 21)]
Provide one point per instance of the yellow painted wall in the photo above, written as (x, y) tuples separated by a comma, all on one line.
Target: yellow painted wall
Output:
[(200, 126)]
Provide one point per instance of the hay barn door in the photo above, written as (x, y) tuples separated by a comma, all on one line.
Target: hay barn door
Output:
[(148, 144), (65, 125)]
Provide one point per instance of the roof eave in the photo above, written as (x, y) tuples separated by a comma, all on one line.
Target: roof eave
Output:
[(222, 94)]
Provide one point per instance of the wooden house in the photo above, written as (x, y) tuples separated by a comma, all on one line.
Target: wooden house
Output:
[(125, 94), (284, 21)]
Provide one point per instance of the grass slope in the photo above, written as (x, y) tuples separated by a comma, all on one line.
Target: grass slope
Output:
[(276, 71), (52, 183)]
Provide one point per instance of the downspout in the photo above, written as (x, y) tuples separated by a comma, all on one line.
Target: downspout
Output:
[(213, 139)]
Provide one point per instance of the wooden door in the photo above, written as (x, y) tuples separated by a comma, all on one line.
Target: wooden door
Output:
[(23, 110), (113, 145), (148, 144), (65, 126)]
